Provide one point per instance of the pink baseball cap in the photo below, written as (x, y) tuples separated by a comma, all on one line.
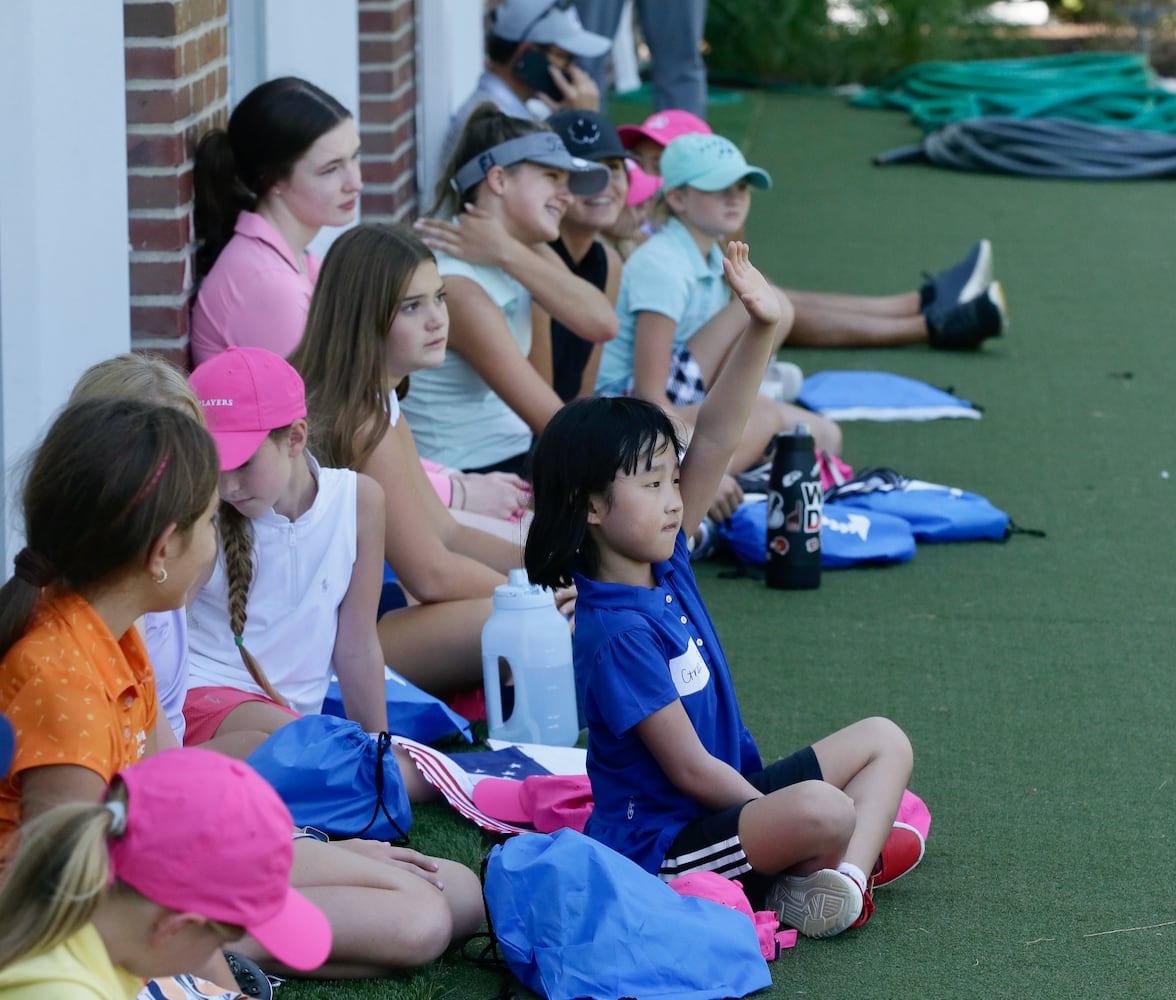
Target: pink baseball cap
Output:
[(548, 802), (207, 834), (662, 127), (642, 186), (246, 392)]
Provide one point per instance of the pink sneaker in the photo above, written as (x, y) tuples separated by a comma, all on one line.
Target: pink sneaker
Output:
[(902, 851)]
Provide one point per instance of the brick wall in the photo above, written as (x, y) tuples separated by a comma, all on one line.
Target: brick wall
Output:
[(177, 88), (387, 102)]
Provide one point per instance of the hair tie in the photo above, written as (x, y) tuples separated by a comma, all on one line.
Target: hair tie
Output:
[(238, 640), (118, 810), (33, 568)]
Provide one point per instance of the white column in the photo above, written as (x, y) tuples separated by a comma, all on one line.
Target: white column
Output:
[(64, 285), (317, 40), (450, 58)]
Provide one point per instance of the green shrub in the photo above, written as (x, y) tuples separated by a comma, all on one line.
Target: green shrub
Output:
[(793, 41)]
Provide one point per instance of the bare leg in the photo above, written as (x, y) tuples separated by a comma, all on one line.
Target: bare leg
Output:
[(383, 915), (831, 328), (436, 646), (902, 305), (871, 761), (798, 829), (711, 344)]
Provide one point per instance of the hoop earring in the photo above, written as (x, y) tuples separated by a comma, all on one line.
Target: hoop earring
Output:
[(162, 578)]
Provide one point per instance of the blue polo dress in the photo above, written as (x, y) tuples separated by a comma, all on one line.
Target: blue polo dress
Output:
[(636, 650)]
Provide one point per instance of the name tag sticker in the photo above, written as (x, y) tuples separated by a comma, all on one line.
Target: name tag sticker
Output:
[(690, 671)]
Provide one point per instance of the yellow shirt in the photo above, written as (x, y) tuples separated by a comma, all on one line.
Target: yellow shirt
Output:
[(77, 969)]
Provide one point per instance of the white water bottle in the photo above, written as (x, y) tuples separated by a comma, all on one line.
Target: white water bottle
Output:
[(527, 640)]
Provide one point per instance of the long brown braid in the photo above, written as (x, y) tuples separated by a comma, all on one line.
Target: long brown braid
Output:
[(237, 543)]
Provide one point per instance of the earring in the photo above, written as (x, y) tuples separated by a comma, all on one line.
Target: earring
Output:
[(162, 578)]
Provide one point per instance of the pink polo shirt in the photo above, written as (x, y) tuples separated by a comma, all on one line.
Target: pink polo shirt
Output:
[(256, 295)]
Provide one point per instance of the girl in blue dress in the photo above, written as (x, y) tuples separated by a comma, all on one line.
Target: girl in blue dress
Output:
[(676, 778)]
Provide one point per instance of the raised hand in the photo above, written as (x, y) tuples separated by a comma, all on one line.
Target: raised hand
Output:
[(760, 300)]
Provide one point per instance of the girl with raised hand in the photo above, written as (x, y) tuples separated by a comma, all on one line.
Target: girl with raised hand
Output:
[(378, 317), (147, 883), (421, 904), (676, 779), (499, 202)]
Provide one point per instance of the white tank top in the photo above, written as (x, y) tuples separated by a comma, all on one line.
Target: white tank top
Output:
[(302, 570)]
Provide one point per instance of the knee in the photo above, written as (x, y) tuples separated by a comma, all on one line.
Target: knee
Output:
[(424, 937), (891, 742), (828, 812)]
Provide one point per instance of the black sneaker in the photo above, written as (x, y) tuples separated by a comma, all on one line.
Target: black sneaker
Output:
[(250, 979), (960, 283), (970, 323)]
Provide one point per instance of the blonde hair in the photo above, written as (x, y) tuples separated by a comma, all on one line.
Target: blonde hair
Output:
[(60, 872), (146, 377), (153, 379)]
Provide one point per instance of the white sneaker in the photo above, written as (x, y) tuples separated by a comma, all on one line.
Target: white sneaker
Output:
[(818, 905), (782, 382)]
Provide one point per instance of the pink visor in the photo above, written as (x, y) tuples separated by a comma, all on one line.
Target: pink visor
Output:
[(642, 186), (548, 802)]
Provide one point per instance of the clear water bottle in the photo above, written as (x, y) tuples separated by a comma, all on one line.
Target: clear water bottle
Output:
[(794, 513), (527, 640)]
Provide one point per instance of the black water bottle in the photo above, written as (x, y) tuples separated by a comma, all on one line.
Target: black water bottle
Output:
[(794, 513)]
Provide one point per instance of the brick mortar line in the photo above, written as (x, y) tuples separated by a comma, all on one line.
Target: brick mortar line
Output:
[(173, 41)]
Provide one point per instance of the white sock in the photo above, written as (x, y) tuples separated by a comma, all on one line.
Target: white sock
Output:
[(855, 873)]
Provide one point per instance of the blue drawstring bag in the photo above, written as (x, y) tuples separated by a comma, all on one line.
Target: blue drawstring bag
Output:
[(870, 395), (411, 712), (574, 919), (336, 778), (848, 538), (935, 513)]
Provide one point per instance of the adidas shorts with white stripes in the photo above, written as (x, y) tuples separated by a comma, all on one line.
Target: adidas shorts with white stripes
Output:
[(711, 844)]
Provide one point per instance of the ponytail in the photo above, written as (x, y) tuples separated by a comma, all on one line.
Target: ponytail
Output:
[(220, 197), (60, 872), (237, 543)]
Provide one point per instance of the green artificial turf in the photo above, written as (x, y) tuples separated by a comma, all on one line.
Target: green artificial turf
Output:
[(1033, 677)]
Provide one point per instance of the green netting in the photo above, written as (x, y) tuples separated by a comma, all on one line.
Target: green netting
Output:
[(1096, 88)]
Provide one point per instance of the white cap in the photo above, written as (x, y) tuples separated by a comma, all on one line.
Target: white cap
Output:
[(547, 22)]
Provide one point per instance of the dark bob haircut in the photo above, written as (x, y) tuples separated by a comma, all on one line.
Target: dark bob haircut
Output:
[(579, 454)]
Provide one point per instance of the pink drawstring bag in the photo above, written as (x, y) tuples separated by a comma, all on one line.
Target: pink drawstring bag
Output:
[(913, 811), (729, 893)]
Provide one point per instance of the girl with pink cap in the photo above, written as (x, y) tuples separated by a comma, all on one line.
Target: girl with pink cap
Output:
[(422, 904), (102, 895)]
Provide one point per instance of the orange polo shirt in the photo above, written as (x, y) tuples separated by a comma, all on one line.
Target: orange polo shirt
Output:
[(75, 695)]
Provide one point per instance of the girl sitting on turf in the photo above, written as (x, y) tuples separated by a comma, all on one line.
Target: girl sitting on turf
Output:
[(676, 779), (109, 496), (502, 197), (956, 309), (146, 882), (378, 318), (678, 324), (287, 166)]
